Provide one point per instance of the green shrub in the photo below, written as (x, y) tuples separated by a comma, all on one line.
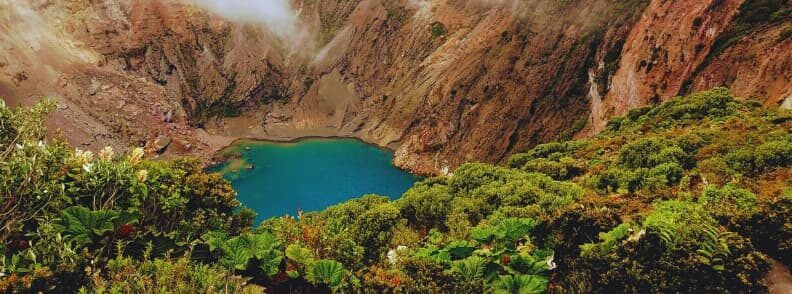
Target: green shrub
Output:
[(437, 29), (502, 186), (608, 241), (681, 248), (672, 154), (742, 160), (679, 111), (728, 200), (714, 103), (427, 204), (552, 151), (563, 169), (374, 228), (126, 275), (689, 182), (676, 221), (765, 157), (774, 154), (641, 153), (664, 175)]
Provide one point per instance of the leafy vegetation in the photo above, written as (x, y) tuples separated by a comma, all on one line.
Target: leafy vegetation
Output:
[(691, 195), (396, 10), (437, 29), (68, 213)]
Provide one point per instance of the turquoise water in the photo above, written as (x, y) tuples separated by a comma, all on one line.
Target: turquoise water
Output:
[(275, 179)]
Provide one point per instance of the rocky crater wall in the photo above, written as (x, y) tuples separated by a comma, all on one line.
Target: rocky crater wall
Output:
[(441, 82)]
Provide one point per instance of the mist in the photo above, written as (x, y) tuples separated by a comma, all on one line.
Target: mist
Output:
[(276, 15), (29, 39)]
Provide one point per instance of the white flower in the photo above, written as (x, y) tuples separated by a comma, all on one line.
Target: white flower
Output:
[(107, 153), (636, 236), (19, 146), (142, 175), (135, 155), (82, 157), (393, 254), (550, 264), (41, 144), (87, 167), (393, 257)]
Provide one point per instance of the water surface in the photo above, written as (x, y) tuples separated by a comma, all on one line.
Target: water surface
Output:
[(275, 179)]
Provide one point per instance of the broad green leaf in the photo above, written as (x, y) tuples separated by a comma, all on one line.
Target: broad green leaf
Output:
[(80, 223), (261, 244), (327, 272), (442, 257), (236, 253), (483, 235), (527, 264), (513, 229), (520, 284), (460, 248), (270, 262), (298, 254), (471, 268), (293, 274), (214, 239), (125, 217)]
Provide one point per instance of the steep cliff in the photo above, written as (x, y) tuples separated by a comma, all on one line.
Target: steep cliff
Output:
[(680, 46), (441, 82)]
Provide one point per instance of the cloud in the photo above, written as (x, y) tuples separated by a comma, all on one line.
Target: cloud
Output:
[(276, 15), (27, 37), (423, 7)]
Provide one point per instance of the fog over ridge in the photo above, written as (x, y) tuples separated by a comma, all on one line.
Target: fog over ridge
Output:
[(276, 15)]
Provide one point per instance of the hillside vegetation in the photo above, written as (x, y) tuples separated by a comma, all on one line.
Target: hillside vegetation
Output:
[(692, 195)]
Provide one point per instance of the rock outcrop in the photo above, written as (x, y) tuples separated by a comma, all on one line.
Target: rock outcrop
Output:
[(682, 46), (440, 82)]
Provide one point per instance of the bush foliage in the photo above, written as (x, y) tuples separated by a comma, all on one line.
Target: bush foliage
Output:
[(688, 196)]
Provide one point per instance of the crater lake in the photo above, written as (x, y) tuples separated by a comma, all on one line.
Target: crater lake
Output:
[(279, 178)]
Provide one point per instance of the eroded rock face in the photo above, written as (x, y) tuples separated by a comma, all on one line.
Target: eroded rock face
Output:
[(682, 46), (441, 82)]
